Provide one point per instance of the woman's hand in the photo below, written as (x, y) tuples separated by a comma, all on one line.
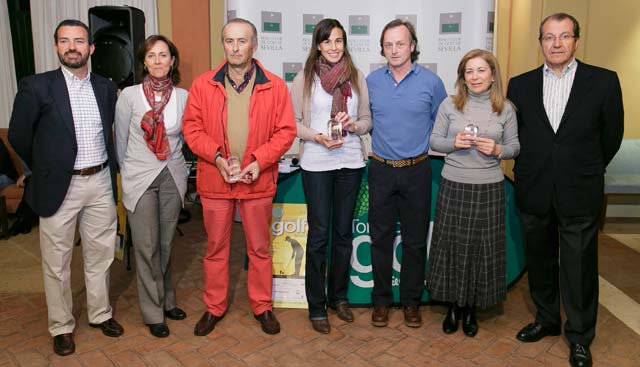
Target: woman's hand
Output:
[(327, 141), (347, 122), (488, 147), (464, 140)]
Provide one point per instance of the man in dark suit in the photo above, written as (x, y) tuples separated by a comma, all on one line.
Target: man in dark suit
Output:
[(570, 125), (61, 126)]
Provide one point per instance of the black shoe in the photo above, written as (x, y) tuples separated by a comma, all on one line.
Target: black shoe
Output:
[(344, 312), (469, 322), (206, 324), (580, 356), (322, 326), (175, 314), (268, 322), (412, 317), (450, 323), (159, 330), (63, 344), (536, 331), (21, 225), (380, 316), (110, 328)]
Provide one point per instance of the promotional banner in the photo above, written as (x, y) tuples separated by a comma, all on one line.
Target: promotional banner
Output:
[(446, 30), (288, 245), (289, 220)]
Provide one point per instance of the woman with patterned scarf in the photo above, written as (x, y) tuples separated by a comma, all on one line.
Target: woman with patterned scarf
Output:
[(330, 90), (153, 174)]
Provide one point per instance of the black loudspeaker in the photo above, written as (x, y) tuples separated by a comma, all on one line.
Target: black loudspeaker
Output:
[(117, 32)]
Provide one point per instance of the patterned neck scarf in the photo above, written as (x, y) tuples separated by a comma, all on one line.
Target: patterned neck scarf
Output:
[(335, 81), (245, 82), (152, 122)]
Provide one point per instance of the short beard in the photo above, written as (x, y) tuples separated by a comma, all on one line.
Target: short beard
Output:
[(76, 65)]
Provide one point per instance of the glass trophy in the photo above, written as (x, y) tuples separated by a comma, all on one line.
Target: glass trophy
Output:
[(334, 130), (234, 166), (473, 129)]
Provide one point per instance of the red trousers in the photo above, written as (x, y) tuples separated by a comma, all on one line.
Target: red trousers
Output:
[(256, 221)]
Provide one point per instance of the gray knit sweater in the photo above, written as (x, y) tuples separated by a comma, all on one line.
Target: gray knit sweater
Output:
[(470, 165)]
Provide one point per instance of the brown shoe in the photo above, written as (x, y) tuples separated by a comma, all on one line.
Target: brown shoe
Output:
[(110, 328), (412, 316), (380, 316), (344, 312), (206, 324), (268, 322), (321, 326), (63, 344)]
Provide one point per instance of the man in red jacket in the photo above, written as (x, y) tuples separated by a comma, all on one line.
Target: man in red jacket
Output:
[(241, 110)]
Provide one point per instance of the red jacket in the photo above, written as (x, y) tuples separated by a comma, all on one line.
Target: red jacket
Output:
[(272, 130)]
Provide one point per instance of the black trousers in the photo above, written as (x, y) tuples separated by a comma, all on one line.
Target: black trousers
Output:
[(329, 194), (562, 261), (403, 193)]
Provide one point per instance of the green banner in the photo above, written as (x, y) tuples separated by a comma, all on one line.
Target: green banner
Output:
[(271, 27), (290, 191), (451, 28)]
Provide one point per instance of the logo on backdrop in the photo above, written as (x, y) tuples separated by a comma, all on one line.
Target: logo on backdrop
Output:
[(290, 70), (359, 26), (490, 23), (231, 14), (411, 18), (271, 25), (450, 27), (309, 22), (431, 66)]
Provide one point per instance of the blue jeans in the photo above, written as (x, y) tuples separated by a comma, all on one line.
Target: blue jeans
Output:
[(329, 192)]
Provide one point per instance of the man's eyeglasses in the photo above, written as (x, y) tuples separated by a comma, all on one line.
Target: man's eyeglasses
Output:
[(550, 38)]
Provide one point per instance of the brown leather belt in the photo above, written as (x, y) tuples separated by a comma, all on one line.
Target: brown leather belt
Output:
[(402, 162), (90, 170)]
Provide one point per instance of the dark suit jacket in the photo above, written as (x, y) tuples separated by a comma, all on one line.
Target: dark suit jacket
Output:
[(571, 161), (41, 131)]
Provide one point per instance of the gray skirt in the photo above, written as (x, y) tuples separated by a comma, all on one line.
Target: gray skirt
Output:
[(467, 260)]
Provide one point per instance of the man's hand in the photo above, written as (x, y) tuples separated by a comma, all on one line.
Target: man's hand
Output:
[(223, 167), (250, 173)]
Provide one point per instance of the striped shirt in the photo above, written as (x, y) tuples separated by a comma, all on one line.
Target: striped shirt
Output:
[(556, 90), (86, 121)]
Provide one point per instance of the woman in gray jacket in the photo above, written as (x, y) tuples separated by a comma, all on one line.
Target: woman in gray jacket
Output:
[(153, 174)]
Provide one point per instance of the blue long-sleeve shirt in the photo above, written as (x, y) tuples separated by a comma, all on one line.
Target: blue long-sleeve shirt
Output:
[(403, 112)]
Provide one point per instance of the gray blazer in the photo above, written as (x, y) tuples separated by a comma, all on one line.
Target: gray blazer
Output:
[(138, 165)]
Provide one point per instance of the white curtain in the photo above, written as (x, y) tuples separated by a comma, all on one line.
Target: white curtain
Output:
[(46, 14), (7, 67)]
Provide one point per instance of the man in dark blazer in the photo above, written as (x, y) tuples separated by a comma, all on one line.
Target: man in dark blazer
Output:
[(570, 125), (61, 126)]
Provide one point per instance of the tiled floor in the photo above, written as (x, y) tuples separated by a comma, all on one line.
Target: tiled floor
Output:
[(238, 341)]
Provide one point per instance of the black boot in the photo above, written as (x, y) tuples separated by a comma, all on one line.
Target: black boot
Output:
[(469, 322), (450, 323)]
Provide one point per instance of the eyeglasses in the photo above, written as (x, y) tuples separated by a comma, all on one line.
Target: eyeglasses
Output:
[(550, 38)]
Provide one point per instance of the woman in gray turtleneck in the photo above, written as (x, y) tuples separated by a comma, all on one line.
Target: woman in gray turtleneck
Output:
[(476, 128)]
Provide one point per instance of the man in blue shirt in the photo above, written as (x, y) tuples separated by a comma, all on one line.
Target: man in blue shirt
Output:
[(404, 100)]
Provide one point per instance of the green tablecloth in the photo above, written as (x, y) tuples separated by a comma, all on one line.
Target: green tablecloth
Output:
[(290, 192)]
